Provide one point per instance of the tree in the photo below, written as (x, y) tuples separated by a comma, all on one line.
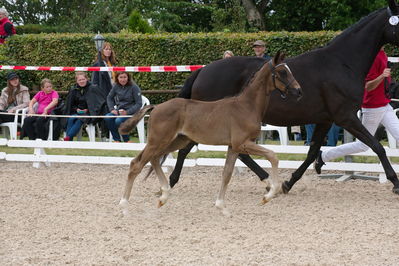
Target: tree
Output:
[(192, 15), (24, 12), (229, 15), (137, 24), (255, 11), (176, 16), (317, 15)]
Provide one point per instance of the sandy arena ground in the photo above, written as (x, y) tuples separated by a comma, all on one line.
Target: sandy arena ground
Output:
[(69, 214)]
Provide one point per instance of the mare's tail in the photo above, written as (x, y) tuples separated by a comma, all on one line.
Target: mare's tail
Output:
[(129, 124), (185, 92)]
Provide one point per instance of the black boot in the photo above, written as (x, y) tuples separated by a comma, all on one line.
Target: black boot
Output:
[(318, 163)]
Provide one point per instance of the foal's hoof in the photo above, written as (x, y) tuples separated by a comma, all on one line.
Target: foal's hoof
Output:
[(158, 193), (264, 201), (123, 203), (395, 190), (160, 203), (285, 188), (226, 213)]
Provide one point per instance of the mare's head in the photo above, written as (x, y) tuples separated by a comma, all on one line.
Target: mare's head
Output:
[(282, 77), (391, 29)]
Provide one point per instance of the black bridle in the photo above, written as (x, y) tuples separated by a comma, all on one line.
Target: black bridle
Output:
[(274, 77)]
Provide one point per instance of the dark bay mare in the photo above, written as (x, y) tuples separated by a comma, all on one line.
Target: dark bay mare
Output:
[(332, 80)]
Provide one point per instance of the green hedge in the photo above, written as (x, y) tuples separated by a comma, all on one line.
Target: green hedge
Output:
[(37, 28), (144, 50)]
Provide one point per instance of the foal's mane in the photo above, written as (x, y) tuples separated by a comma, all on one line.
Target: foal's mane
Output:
[(258, 79)]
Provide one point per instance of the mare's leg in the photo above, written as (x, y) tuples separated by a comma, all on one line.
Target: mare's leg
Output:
[(226, 177), (181, 156), (356, 128), (178, 143), (319, 134), (248, 161), (245, 158), (254, 149), (155, 162)]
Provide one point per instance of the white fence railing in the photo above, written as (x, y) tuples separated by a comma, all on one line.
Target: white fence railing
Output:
[(39, 156)]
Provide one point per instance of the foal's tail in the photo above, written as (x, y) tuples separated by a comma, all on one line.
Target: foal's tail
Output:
[(129, 124)]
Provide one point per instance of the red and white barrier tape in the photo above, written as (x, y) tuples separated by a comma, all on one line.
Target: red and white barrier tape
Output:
[(186, 68), (67, 116)]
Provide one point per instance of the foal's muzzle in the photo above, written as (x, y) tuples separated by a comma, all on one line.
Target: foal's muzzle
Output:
[(297, 92)]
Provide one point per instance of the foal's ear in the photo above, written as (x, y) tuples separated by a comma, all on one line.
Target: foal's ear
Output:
[(278, 58)]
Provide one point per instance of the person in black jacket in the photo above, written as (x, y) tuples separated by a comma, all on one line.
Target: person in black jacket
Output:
[(123, 99), (83, 98), (105, 79)]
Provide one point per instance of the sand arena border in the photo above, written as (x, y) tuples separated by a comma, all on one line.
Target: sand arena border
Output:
[(68, 214)]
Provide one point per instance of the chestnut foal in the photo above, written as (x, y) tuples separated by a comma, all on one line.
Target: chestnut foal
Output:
[(173, 124)]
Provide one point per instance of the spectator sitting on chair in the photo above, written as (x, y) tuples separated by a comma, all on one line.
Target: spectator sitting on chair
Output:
[(46, 99), (296, 131), (332, 135), (123, 99), (83, 98), (6, 27), (13, 97)]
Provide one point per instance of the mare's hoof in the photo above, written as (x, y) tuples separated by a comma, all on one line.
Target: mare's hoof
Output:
[(395, 190), (264, 176), (173, 181), (285, 188)]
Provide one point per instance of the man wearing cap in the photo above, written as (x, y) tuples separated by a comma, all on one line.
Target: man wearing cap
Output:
[(14, 96), (6, 27), (259, 48)]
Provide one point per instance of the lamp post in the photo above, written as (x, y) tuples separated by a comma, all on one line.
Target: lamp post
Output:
[(99, 42)]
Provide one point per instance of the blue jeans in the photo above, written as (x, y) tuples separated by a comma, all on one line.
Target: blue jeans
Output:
[(113, 125), (332, 135), (73, 126)]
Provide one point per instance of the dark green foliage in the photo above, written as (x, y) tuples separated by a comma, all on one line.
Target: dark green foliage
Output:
[(307, 15), (229, 16), (37, 28), (137, 24), (176, 16), (190, 15)]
